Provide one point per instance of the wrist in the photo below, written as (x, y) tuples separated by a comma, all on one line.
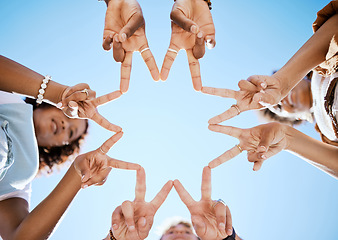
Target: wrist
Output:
[(54, 92), (290, 136)]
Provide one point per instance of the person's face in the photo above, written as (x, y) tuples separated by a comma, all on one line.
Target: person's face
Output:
[(299, 98), (53, 128), (179, 232)]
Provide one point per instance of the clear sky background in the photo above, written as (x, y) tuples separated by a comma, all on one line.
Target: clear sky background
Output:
[(165, 124)]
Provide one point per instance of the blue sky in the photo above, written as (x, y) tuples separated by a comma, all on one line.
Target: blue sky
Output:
[(165, 124)]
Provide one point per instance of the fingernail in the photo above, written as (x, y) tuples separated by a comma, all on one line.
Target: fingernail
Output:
[(131, 228), (143, 222), (264, 148), (85, 186), (221, 226), (115, 227), (200, 35), (229, 231), (263, 156), (123, 37), (59, 105), (193, 29), (263, 85), (116, 38)]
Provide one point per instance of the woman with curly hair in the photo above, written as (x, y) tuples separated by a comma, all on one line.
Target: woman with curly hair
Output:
[(41, 136)]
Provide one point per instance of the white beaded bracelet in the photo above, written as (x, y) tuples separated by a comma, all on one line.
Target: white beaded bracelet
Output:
[(42, 89)]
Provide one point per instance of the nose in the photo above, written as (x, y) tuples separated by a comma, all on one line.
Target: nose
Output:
[(64, 125)]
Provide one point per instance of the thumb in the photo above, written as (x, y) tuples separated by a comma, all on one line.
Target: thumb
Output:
[(134, 23)]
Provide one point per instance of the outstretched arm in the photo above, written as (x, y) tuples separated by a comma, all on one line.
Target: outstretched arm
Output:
[(87, 169), (260, 91), (40, 223), (267, 140), (15, 77)]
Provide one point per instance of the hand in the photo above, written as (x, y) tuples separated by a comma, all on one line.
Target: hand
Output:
[(80, 101), (191, 27), (133, 220), (93, 167), (261, 142), (255, 93), (211, 219), (125, 31)]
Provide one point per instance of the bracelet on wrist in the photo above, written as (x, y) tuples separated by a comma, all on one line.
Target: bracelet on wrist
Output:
[(111, 235), (42, 90)]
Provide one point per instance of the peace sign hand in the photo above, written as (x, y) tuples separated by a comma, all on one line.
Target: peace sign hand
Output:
[(125, 31), (93, 167), (133, 220), (80, 101), (261, 142), (211, 219), (191, 27), (256, 92)]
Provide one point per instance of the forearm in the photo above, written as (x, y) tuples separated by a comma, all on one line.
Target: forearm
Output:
[(310, 55), (41, 221), (15, 77), (321, 155)]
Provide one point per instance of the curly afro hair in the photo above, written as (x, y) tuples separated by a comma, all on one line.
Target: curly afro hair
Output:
[(51, 157)]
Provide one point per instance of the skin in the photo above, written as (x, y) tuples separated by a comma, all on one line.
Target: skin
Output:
[(53, 128), (74, 102), (179, 232), (191, 27), (211, 220), (259, 91), (88, 169), (124, 31), (264, 141), (132, 220)]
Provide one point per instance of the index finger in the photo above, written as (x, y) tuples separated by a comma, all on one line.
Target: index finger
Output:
[(149, 59), (162, 195), (168, 61), (206, 183), (228, 130), (106, 98), (194, 67), (221, 92), (230, 113), (184, 195), (106, 146), (114, 163), (233, 152), (103, 122), (140, 187), (125, 71)]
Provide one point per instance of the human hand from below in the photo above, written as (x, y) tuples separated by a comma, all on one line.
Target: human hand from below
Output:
[(211, 219), (93, 167), (261, 142), (256, 92), (80, 101), (125, 31), (191, 27), (133, 220)]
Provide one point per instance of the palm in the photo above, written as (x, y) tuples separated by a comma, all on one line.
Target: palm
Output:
[(204, 211), (201, 16), (139, 213), (206, 216), (261, 142)]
